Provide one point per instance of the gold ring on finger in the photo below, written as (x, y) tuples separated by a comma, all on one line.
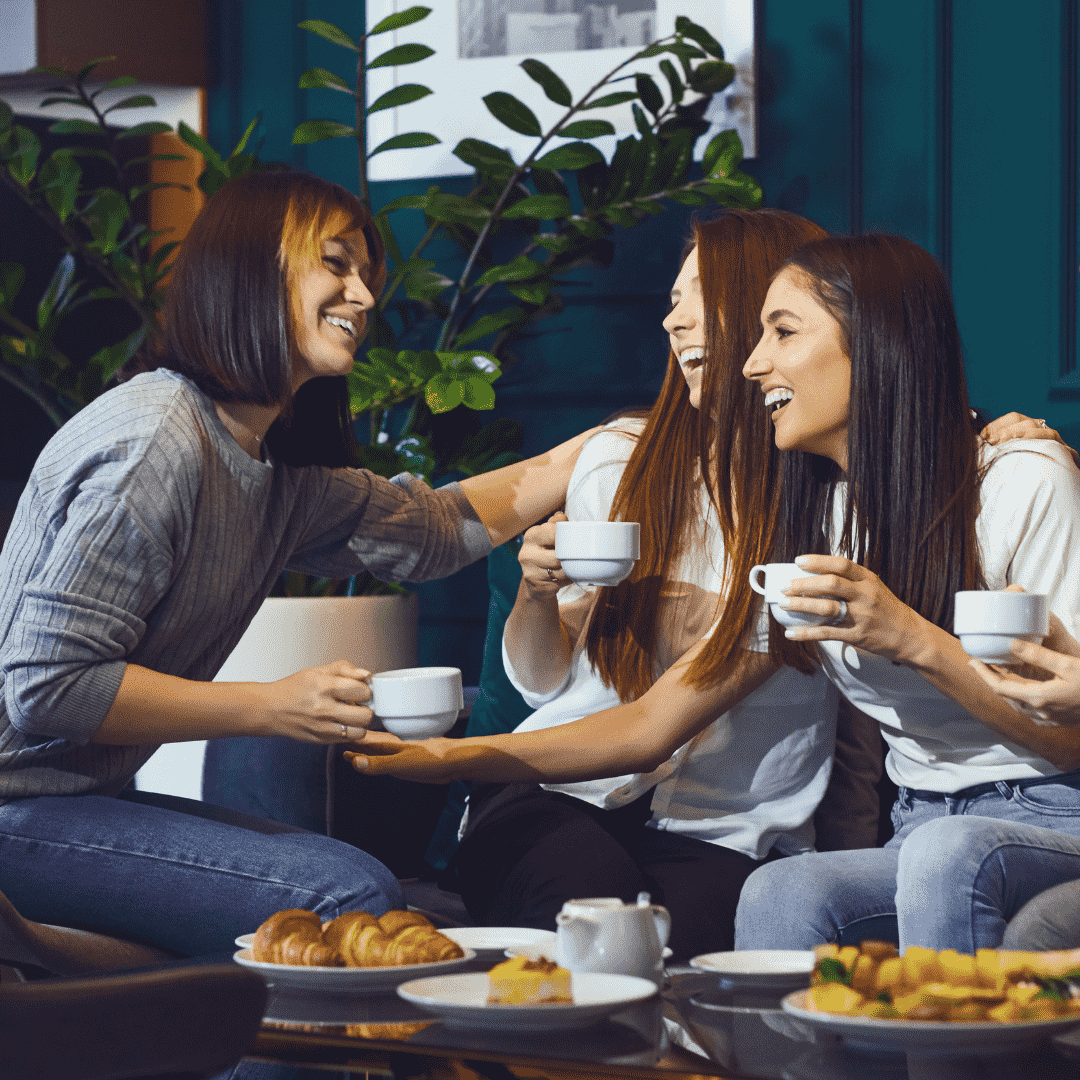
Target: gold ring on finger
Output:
[(344, 731)]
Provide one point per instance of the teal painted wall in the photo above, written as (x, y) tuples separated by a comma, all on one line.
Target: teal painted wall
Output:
[(929, 118)]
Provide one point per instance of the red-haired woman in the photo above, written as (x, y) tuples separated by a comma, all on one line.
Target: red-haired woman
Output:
[(154, 524)]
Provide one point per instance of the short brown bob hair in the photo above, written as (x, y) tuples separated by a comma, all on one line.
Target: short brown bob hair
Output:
[(229, 323)]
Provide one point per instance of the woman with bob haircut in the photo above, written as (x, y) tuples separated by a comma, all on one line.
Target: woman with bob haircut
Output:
[(891, 498), (690, 831), (153, 526)]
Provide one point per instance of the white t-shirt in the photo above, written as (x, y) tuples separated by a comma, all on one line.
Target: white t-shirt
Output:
[(754, 777), (1029, 534)]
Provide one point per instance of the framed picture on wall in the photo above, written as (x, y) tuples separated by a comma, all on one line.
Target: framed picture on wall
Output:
[(479, 46)]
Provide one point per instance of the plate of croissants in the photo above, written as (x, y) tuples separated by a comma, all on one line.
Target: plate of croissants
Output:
[(354, 953)]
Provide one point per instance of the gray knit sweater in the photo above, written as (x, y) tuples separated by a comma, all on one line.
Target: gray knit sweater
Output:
[(146, 534)]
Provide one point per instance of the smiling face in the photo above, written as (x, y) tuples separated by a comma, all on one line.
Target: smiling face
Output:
[(330, 301), (803, 370), (685, 324)]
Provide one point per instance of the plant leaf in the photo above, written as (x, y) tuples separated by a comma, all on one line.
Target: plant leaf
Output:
[(59, 177), (649, 93), (138, 101), (238, 148), (587, 129), (317, 130), (611, 99), (65, 101), (689, 197), (401, 54), (151, 127), (443, 393), (115, 84), (672, 76), (572, 156), (722, 155), (82, 73), (197, 142), (489, 324), (484, 157), (400, 19), (699, 34), (553, 242), (400, 95), (711, 77), (321, 78), (410, 140), (555, 89), (514, 114), (59, 292), (478, 393), (7, 116), (12, 276), (75, 127), (532, 292), (406, 202), (106, 214), (328, 31), (106, 361), (520, 269), (542, 207), (21, 151), (456, 208)]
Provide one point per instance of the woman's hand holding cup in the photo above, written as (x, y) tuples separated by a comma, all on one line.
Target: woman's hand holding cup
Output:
[(326, 704), (541, 572)]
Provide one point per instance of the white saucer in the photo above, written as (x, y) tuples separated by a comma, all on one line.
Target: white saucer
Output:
[(343, 980), (245, 941), (774, 969), (461, 1001), (495, 942)]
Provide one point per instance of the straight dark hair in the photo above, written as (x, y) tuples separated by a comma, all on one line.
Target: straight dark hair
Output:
[(229, 312), (913, 471), (681, 449)]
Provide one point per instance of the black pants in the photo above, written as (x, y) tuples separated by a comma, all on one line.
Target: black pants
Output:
[(528, 850)]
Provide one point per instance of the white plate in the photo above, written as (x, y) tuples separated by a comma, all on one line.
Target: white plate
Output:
[(493, 942), (461, 1001), (548, 949), (762, 968), (245, 941), (927, 1036), (343, 980)]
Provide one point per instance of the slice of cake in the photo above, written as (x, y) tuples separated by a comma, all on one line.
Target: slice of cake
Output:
[(524, 981)]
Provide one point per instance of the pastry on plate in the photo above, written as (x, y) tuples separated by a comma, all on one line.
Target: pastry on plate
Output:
[(527, 981)]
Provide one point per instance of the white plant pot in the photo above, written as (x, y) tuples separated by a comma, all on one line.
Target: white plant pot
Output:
[(377, 633)]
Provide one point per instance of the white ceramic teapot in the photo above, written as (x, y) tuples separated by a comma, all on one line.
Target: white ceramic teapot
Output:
[(604, 934)]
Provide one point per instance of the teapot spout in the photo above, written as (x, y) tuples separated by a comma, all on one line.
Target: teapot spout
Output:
[(576, 937)]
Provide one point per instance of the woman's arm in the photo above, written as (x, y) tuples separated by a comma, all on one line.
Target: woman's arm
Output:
[(636, 737), (318, 705), (878, 622), (510, 499), (1016, 425)]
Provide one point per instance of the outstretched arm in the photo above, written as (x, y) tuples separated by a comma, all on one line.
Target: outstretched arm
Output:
[(510, 499), (636, 737)]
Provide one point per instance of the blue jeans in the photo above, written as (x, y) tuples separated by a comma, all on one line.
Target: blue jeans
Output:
[(180, 875), (957, 869)]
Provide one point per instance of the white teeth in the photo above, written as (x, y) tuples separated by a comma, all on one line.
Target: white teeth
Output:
[(774, 397), (687, 355), (343, 323)]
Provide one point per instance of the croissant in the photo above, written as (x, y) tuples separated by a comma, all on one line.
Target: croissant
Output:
[(355, 939)]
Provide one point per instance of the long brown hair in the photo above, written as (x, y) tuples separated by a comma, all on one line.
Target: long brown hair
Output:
[(682, 447), (913, 474)]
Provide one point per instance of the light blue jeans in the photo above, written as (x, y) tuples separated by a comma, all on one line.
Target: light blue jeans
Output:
[(181, 875), (957, 869)]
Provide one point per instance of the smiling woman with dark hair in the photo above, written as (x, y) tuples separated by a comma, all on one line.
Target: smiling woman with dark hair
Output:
[(891, 498), (155, 523)]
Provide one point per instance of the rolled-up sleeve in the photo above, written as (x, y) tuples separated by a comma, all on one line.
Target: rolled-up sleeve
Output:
[(80, 614), (397, 530)]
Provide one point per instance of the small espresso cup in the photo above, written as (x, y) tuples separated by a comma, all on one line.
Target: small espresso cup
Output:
[(597, 552), (417, 703), (778, 576), (987, 621)]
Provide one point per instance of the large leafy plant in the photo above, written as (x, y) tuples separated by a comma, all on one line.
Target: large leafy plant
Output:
[(109, 255), (521, 227)]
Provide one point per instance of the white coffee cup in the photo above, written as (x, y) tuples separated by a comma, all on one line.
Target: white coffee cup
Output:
[(597, 552), (986, 621), (778, 576), (417, 703)]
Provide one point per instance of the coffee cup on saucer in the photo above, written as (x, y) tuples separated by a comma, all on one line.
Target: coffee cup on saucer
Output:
[(778, 576), (987, 621), (597, 552), (417, 703)]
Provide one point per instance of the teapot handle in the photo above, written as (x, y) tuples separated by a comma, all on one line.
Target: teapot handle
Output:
[(662, 918)]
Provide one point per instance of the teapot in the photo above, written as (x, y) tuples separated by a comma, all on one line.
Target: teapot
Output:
[(604, 934)]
